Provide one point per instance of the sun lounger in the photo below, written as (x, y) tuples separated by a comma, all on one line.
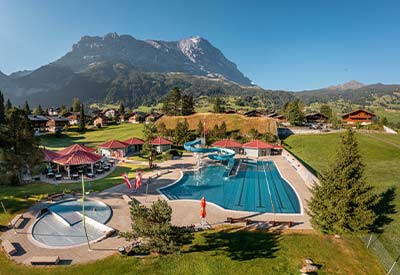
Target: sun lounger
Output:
[(15, 220), (45, 260), (126, 198), (276, 223), (55, 197), (237, 220), (9, 248)]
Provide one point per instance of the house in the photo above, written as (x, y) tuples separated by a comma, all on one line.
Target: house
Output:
[(253, 113), (134, 145), (114, 148), (56, 123), (358, 116), (316, 118), (162, 144), (153, 117), (73, 117), (110, 113), (53, 111), (136, 117), (229, 144), (38, 123), (257, 148), (101, 121)]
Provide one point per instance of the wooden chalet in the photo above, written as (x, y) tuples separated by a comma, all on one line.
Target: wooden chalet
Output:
[(153, 117), (38, 123), (56, 123), (137, 117), (358, 116), (315, 118), (101, 120)]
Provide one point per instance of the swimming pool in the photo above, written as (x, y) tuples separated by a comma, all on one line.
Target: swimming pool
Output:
[(257, 187), (62, 226)]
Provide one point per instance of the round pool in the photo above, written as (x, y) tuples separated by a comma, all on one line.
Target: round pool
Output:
[(62, 226)]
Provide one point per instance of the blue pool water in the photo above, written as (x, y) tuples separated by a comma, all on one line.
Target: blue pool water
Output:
[(257, 187)]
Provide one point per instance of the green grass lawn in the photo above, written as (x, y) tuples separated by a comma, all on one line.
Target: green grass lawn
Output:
[(382, 162), (93, 137), (230, 251)]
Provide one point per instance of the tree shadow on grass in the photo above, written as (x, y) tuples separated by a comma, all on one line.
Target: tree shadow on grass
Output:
[(240, 245), (384, 209)]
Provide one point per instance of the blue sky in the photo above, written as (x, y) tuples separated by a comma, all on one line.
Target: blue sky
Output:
[(292, 45)]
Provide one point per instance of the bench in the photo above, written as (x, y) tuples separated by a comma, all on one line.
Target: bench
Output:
[(9, 248), (55, 197), (126, 198), (44, 260), (15, 220), (276, 223), (236, 220)]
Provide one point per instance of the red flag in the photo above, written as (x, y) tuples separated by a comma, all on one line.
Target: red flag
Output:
[(203, 202), (203, 213), (127, 181)]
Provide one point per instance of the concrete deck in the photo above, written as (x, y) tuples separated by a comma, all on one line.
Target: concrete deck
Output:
[(184, 213)]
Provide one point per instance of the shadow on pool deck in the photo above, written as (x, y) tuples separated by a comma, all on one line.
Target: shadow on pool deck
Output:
[(240, 245)]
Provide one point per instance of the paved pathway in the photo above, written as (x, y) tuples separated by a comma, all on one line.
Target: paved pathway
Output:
[(184, 213)]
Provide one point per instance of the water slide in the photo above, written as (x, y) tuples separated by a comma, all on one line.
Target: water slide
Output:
[(217, 153)]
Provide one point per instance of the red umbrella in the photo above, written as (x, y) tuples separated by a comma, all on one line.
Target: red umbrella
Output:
[(203, 202), (203, 213)]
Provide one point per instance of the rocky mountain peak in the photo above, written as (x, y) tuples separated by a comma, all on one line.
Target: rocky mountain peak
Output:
[(350, 85)]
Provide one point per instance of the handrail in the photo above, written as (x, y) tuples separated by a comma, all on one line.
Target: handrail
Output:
[(269, 190)]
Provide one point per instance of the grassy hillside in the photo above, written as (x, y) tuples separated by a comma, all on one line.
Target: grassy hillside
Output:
[(234, 122), (382, 168), (92, 137)]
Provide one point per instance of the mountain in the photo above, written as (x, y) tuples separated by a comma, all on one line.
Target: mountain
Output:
[(351, 85), (194, 55)]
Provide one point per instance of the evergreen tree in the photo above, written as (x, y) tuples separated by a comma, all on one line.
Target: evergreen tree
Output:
[(2, 109), (8, 105), (222, 130), (63, 110), (326, 110), (172, 102), (121, 109), (187, 105), (343, 203), (200, 129), (149, 150), (76, 105), (293, 113), (38, 110), (162, 129), (182, 132), (154, 229), (82, 123), (20, 150), (217, 106), (26, 108)]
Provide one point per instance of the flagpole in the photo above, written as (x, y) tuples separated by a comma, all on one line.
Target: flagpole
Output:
[(83, 212)]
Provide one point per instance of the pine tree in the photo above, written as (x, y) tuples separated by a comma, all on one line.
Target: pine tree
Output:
[(222, 130), (182, 132), (187, 105), (76, 105), (82, 123), (2, 109), (326, 110), (26, 108), (63, 110), (200, 128), (293, 113), (8, 105), (149, 132), (38, 110), (343, 203), (217, 106), (121, 109)]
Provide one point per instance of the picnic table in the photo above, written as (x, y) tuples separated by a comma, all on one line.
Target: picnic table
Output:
[(99, 171), (80, 171), (58, 176), (74, 176), (50, 174), (106, 168), (111, 161)]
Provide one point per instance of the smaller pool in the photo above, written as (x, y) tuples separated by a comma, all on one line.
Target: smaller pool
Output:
[(62, 225)]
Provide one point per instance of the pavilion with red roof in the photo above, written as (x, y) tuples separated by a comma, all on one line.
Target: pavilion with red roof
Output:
[(134, 144), (77, 158), (114, 148), (162, 144), (230, 144), (257, 148), (49, 155), (74, 148)]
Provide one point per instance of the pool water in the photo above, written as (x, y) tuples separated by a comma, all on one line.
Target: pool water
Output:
[(62, 226), (257, 187)]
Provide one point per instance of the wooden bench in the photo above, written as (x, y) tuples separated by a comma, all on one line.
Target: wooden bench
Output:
[(55, 197), (9, 248), (126, 198), (44, 260), (236, 220), (276, 223), (15, 220)]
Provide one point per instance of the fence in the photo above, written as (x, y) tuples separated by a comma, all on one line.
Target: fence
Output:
[(390, 264)]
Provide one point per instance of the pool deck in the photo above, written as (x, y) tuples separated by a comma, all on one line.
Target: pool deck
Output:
[(184, 212)]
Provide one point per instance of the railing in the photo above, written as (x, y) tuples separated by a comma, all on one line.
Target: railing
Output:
[(269, 189)]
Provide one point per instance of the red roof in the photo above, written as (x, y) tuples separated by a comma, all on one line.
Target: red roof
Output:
[(227, 143), (134, 141), (161, 141), (49, 155), (113, 144), (258, 144), (76, 147), (77, 158), (278, 147)]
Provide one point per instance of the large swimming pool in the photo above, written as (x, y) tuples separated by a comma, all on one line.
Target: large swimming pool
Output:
[(257, 187)]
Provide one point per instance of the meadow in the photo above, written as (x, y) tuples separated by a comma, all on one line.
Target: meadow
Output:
[(382, 161)]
